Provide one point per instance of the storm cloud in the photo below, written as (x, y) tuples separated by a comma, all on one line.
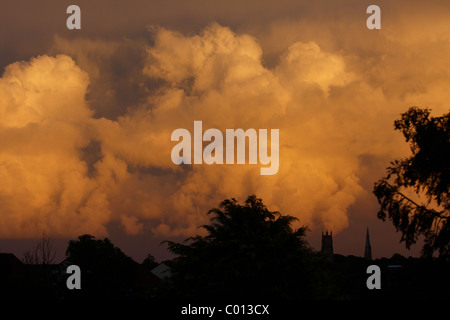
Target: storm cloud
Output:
[(85, 125)]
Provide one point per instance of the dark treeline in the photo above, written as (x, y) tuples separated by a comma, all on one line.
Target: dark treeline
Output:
[(248, 253)]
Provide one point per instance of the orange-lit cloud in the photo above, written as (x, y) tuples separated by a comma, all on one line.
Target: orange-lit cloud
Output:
[(87, 143), (44, 122)]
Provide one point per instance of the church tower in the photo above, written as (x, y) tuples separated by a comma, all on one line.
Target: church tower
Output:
[(368, 249), (327, 244)]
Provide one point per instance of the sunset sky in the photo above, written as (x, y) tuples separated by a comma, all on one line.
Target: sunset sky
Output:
[(86, 115)]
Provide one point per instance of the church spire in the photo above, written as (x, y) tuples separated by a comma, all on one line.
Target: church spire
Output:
[(368, 249)]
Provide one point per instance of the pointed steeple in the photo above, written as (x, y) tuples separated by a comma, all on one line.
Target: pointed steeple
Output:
[(368, 248)]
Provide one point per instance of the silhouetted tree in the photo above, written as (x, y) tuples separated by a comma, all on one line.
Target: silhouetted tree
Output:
[(43, 252), (427, 173), (150, 262), (248, 252), (106, 271)]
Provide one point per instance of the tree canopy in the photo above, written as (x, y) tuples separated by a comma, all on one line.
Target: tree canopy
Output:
[(107, 271), (426, 172), (248, 251)]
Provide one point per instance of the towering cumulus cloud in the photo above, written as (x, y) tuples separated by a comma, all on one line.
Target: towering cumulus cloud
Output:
[(44, 123), (219, 77), (69, 166)]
